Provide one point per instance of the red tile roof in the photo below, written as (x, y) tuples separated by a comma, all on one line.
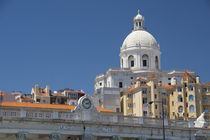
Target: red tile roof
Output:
[(167, 86), (46, 106), (206, 83), (186, 74), (131, 88), (152, 76), (2, 93)]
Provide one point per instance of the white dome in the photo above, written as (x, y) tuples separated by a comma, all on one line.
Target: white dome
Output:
[(139, 38)]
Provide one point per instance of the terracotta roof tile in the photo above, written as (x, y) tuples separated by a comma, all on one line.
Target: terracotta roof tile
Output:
[(27, 99), (2, 93), (152, 76), (167, 86), (48, 106), (206, 83), (186, 74), (131, 88), (141, 79)]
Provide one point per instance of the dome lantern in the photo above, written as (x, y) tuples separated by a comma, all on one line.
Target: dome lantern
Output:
[(138, 21)]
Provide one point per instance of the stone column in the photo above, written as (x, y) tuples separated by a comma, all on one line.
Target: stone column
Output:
[(54, 136), (115, 137), (21, 136)]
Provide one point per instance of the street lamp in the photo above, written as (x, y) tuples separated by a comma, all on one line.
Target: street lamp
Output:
[(163, 116)]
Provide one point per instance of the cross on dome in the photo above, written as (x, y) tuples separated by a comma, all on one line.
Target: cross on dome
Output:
[(138, 12)]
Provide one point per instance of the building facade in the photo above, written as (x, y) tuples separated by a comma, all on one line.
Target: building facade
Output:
[(185, 100), (140, 56), (46, 96), (36, 121)]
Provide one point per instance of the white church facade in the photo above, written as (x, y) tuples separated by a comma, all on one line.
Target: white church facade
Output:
[(140, 56)]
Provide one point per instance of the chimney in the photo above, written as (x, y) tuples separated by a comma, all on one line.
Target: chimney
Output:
[(36, 89), (47, 90)]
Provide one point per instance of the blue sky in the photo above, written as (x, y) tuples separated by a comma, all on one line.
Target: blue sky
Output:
[(66, 43)]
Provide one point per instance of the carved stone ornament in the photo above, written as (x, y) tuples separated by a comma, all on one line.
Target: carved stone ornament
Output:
[(85, 103)]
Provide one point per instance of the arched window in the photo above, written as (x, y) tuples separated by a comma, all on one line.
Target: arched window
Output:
[(180, 109), (179, 98), (191, 98), (131, 61), (156, 62), (145, 60), (192, 108)]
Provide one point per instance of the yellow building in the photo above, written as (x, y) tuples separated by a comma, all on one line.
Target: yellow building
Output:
[(180, 101)]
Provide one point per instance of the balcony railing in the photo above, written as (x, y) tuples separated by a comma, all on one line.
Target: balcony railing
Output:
[(6, 113)]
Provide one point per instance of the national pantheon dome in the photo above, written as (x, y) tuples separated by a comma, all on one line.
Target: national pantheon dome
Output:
[(140, 51), (139, 37)]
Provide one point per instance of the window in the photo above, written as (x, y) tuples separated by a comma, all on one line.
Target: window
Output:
[(47, 115), (173, 113), (191, 98), (145, 60), (186, 94), (13, 113), (38, 100), (117, 109), (155, 96), (186, 104), (156, 106), (129, 95), (179, 98), (190, 88), (144, 63), (144, 100), (169, 83), (172, 103), (44, 101), (100, 84), (192, 108), (40, 114), (120, 84), (169, 78), (145, 112), (205, 99), (172, 93), (131, 77), (163, 91), (179, 89), (130, 105), (155, 86), (132, 63), (144, 91), (139, 23), (4, 113), (35, 115), (156, 62), (206, 110), (180, 109), (164, 101), (204, 89)]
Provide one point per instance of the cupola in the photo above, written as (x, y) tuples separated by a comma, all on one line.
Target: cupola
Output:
[(138, 21)]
